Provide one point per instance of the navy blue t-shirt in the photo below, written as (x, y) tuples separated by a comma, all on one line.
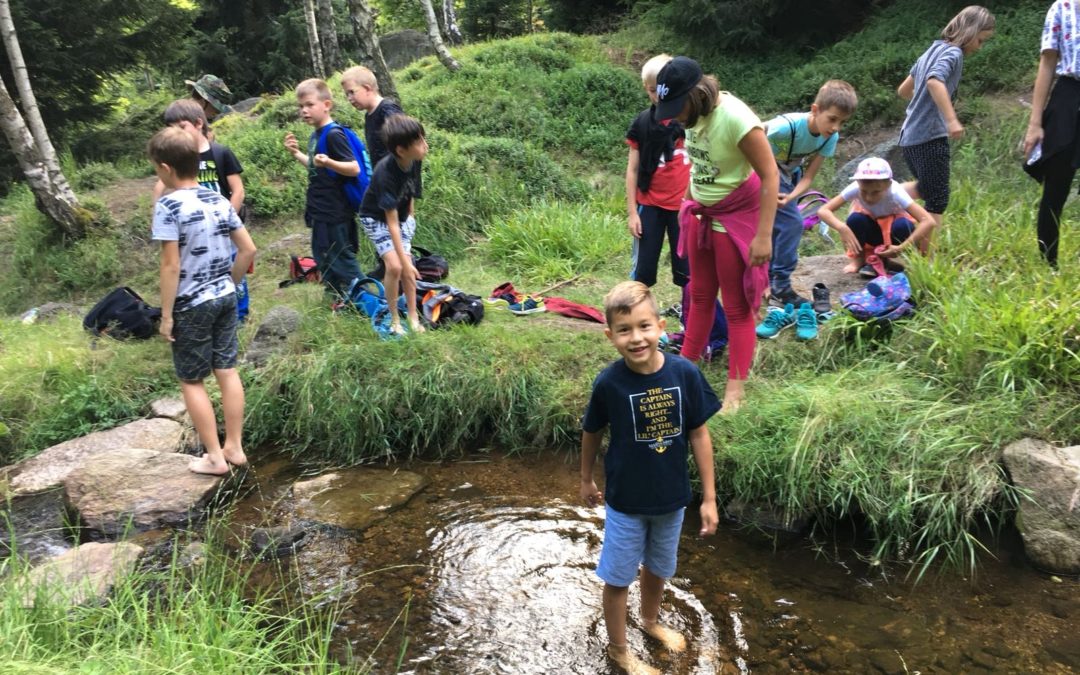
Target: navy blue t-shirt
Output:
[(391, 188), (373, 129), (326, 202), (650, 417)]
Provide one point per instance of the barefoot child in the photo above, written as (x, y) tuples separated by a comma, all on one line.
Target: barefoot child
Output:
[(931, 120), (198, 293), (881, 209), (646, 480), (387, 213)]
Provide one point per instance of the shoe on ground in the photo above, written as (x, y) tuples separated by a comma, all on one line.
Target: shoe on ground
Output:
[(776, 320), (528, 305), (868, 272), (893, 265), (822, 302), (786, 297), (805, 322)]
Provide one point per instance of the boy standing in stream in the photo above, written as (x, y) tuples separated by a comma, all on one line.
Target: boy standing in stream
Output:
[(655, 405)]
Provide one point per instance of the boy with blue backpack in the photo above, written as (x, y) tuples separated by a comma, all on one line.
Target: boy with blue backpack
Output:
[(337, 171)]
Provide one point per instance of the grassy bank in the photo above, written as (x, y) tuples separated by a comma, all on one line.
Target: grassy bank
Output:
[(902, 431)]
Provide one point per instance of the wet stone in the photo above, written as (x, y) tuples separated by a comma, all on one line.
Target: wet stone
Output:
[(51, 467), (1066, 650), (353, 499), (37, 524), (1051, 532), (81, 575), (139, 488), (275, 542), (980, 658)]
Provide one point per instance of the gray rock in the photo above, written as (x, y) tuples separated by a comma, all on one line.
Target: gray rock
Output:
[(138, 488), (272, 336), (81, 575), (889, 150), (247, 104), (355, 498), (193, 555), (826, 269), (403, 47), (50, 310), (169, 408), (1049, 475), (49, 468), (275, 542), (766, 517)]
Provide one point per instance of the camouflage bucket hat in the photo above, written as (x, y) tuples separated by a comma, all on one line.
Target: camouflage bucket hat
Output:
[(212, 88)]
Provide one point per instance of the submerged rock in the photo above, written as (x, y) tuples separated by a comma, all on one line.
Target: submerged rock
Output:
[(353, 499), (275, 542), (81, 575), (140, 489), (49, 468), (766, 517), (272, 336), (1050, 476)]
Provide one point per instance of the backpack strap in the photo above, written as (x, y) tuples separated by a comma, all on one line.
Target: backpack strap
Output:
[(218, 151)]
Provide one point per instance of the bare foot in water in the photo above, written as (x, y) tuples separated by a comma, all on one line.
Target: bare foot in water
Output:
[(632, 665), (234, 457), (669, 637), (205, 465)]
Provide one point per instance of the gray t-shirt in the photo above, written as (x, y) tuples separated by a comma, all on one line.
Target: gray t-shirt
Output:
[(201, 221), (924, 122)]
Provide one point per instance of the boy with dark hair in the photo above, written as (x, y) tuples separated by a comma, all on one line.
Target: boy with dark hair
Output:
[(327, 212), (198, 294), (647, 483), (387, 213), (796, 138), (219, 170)]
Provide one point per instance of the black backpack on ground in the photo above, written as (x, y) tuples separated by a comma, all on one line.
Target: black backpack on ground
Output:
[(444, 305), (123, 314), (432, 267)]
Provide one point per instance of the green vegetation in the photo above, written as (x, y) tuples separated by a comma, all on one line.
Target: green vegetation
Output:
[(901, 430)]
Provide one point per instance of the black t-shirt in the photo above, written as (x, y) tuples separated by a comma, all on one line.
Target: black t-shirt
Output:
[(214, 177), (650, 417), (391, 187), (373, 126), (326, 201)]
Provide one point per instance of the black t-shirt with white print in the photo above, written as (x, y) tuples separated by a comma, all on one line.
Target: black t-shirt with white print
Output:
[(391, 188)]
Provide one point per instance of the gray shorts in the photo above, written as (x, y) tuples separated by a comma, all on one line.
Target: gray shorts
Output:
[(379, 234), (205, 338)]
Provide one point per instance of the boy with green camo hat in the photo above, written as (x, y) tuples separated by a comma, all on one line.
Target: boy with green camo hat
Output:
[(211, 93)]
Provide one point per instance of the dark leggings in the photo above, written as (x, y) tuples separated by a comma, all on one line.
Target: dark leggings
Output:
[(1057, 181), (867, 230), (656, 224)]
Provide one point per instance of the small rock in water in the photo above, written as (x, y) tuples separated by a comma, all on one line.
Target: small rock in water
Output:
[(355, 498), (275, 542)]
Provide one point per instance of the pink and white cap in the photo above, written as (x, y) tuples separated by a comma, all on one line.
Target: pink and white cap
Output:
[(873, 168)]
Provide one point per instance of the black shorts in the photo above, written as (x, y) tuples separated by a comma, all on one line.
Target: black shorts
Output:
[(929, 162), (205, 338)]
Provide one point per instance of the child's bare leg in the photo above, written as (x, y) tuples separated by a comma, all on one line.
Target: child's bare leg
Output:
[(232, 401), (856, 263), (924, 243), (912, 188), (734, 392), (391, 283), (652, 590), (202, 416), (615, 620), (408, 283)]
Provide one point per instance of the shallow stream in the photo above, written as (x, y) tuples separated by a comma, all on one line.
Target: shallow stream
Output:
[(489, 569)]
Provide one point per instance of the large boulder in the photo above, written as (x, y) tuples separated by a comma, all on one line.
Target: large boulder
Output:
[(1049, 476), (81, 575), (49, 468), (403, 47), (353, 499), (139, 489), (272, 336)]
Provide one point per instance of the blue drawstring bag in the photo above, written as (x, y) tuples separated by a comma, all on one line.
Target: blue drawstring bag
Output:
[(368, 297), (884, 299)]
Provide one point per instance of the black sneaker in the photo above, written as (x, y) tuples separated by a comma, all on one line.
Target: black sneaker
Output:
[(822, 304), (868, 272), (788, 296)]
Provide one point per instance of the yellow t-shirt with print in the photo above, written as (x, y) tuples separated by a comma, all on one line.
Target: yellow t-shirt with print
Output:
[(717, 165)]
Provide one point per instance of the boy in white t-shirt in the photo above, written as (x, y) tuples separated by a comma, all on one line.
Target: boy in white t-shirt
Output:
[(881, 211)]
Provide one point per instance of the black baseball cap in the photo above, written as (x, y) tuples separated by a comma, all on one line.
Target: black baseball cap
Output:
[(673, 83)]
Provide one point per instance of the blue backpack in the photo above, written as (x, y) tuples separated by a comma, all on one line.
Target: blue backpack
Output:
[(355, 186)]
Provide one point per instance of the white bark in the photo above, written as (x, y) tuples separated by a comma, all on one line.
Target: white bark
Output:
[(313, 39), (436, 38), (450, 25)]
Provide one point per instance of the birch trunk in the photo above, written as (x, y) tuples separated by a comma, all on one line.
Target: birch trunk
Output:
[(436, 38), (450, 25), (369, 52), (328, 40), (58, 205), (313, 39), (29, 104)]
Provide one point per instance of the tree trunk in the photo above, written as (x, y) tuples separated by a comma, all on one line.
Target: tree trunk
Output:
[(313, 39), (328, 40), (29, 105), (369, 52), (57, 204), (450, 25), (436, 39)]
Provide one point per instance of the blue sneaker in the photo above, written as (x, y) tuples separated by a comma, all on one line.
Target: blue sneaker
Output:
[(806, 322), (776, 320)]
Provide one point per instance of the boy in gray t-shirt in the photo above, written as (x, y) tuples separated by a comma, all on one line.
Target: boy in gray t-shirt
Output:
[(198, 293)]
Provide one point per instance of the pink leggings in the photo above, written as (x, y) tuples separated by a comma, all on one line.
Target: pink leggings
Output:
[(719, 268)]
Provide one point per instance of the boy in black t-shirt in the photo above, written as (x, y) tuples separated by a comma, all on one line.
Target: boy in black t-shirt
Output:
[(327, 212), (362, 91), (387, 212), (219, 170), (646, 480)]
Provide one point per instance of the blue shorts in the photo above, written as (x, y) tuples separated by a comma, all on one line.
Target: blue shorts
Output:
[(631, 540)]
